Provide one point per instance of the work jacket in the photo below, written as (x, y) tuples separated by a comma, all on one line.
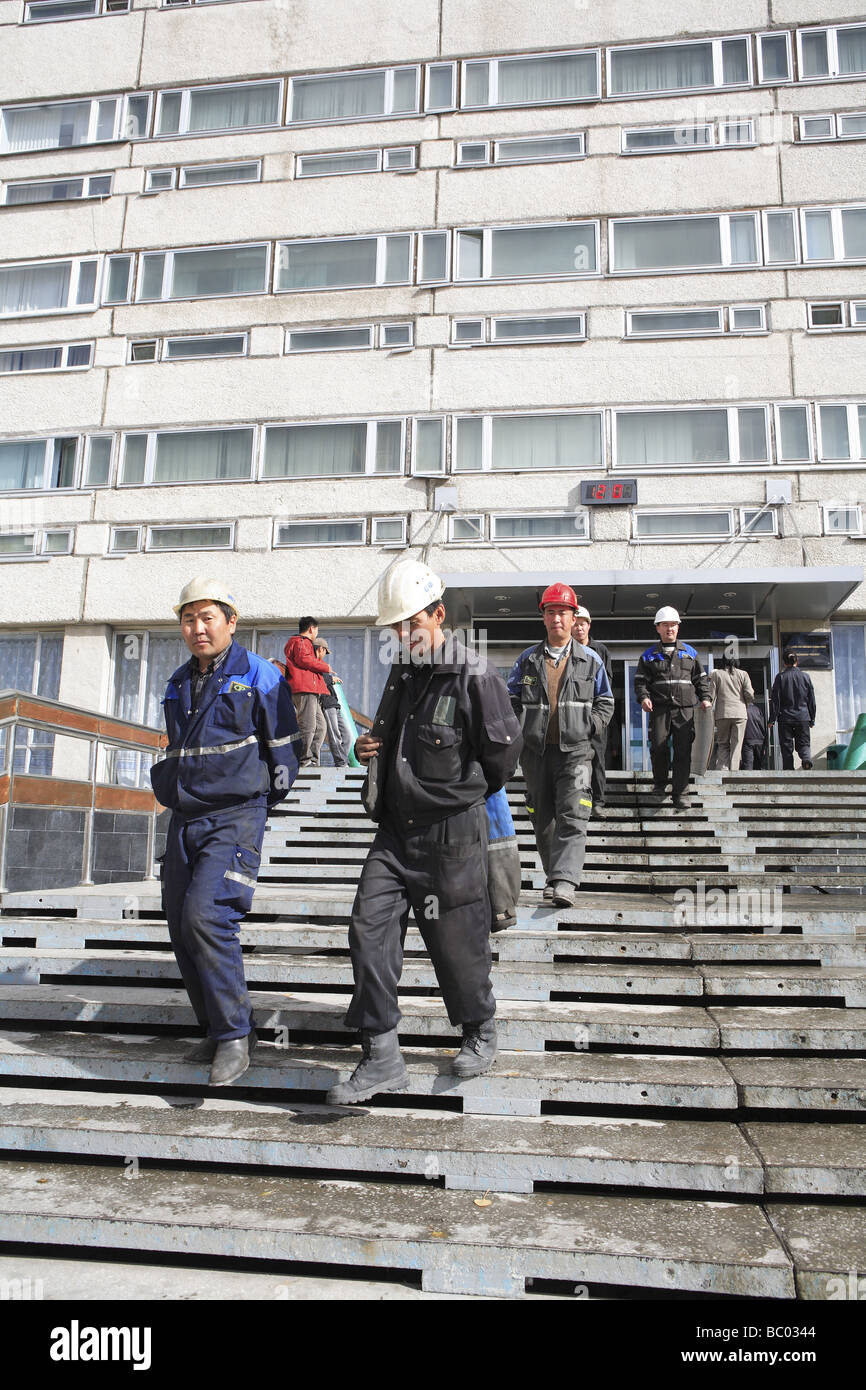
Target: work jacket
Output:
[(240, 745), (449, 739), (731, 692), (304, 670), (792, 699), (584, 704), (671, 682)]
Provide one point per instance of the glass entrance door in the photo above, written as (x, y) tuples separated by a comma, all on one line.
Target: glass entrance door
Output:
[(635, 736)]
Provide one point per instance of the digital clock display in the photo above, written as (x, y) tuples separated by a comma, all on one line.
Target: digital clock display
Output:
[(609, 492)]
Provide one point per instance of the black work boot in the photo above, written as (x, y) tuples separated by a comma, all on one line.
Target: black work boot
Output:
[(202, 1052), (478, 1051), (381, 1068), (231, 1059)]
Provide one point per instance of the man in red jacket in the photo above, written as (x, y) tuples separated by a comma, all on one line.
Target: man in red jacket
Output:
[(304, 673)]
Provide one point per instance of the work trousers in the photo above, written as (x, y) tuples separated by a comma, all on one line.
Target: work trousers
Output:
[(311, 724), (441, 873), (599, 777), (791, 734), (338, 736), (679, 726), (209, 874), (559, 803), (729, 742), (753, 756)]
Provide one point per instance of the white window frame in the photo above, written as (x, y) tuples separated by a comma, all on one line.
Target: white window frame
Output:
[(186, 526), (828, 507), (832, 32), (577, 539), (120, 131), (141, 342), (857, 458), (386, 544), (150, 457), (67, 531), (760, 79), (836, 225), (537, 159), (443, 449), (49, 443), (372, 423), (779, 406), (381, 261), (15, 557), (334, 154), (716, 141), (487, 441), (148, 180), (488, 330), (133, 550), (746, 512), (797, 258), (724, 219), (731, 328), (83, 197), (100, 8), (493, 80), (388, 114), (487, 253), (844, 323), (718, 83), (471, 517), (395, 347), (674, 470), (76, 263), (461, 163), (183, 131), (162, 343), (428, 105), (84, 484), (168, 272), (319, 521), (685, 537), (219, 164), (66, 349), (483, 341), (724, 311), (288, 351)]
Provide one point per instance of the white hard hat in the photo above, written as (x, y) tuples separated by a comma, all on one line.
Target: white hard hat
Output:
[(407, 587), (584, 613), (204, 588), (667, 615)]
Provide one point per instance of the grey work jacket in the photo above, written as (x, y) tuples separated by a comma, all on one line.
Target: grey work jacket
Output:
[(585, 702)]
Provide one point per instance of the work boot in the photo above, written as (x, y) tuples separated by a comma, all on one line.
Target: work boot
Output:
[(564, 894), (502, 921), (231, 1059), (806, 766), (656, 796), (202, 1052), (478, 1051), (682, 802), (380, 1069), (547, 895)]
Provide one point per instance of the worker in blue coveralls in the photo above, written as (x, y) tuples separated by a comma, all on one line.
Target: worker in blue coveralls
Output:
[(670, 683), (232, 753)]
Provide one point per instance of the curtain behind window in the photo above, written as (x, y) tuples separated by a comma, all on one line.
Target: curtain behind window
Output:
[(328, 264), (22, 465), (669, 437), (25, 289), (203, 455), (660, 245), (849, 670), (47, 127), (310, 451), (519, 251), (228, 108), (547, 79), (231, 270), (522, 442), (335, 98), (661, 69), (852, 50)]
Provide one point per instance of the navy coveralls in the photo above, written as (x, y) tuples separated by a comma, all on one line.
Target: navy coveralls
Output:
[(792, 703), (675, 683), (225, 764)]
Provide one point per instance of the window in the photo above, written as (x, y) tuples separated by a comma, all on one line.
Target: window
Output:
[(758, 521), (48, 287), (684, 437), (553, 328), (702, 135), (683, 243), (849, 670), (344, 262), (124, 540), (837, 313), (850, 125), (428, 447), (539, 149), (35, 464), (320, 532), (118, 280), (43, 11), (65, 357), (59, 125), (520, 443), (843, 520), (567, 249), (206, 175), (186, 456), (186, 349), (17, 545), (678, 67), (144, 351), (97, 467), (441, 87), (465, 529), (793, 433), (834, 234), (195, 537), (781, 238), (333, 450), (396, 335), (695, 323), (831, 52), (472, 152), (842, 433), (311, 166), (536, 80), (522, 529), (699, 524), (389, 530), (329, 339), (354, 96), (206, 273), (159, 180), (241, 106), (31, 664), (58, 190), (774, 58)]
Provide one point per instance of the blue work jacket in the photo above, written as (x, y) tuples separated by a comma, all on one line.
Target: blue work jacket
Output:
[(240, 746)]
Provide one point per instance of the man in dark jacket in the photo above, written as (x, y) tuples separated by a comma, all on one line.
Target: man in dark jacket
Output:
[(232, 739), (563, 693), (792, 704), (304, 672), (755, 737), (443, 739), (669, 683), (581, 634)]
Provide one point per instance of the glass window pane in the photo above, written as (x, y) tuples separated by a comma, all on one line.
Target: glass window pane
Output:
[(230, 270), (321, 533), (781, 238), (46, 127), (308, 451), (98, 469), (168, 121), (360, 162), (744, 240), (30, 359), (152, 270), (125, 539), (434, 256), (674, 137), (389, 446), (203, 455), (78, 355), (834, 432), (819, 236), (63, 463), (648, 321), (735, 61), (327, 264), (403, 158), (198, 176), (477, 84), (861, 420), (793, 433), (338, 98), (849, 669), (105, 118), (573, 77), (842, 520), (545, 147), (387, 529), (469, 255), (744, 320), (521, 251), (674, 67), (17, 543), (852, 51), (515, 330), (674, 524), (428, 446), (57, 543), (774, 58), (753, 435), (854, 233), (570, 527), (86, 293), (118, 279), (665, 244), (473, 154), (469, 331), (22, 464), (398, 250), (190, 537), (467, 528), (134, 457), (31, 289), (816, 127), (159, 179), (329, 339), (181, 349), (852, 125), (440, 84), (672, 437), (468, 452), (522, 442), (814, 61), (396, 335), (405, 90), (232, 108), (137, 115), (759, 523), (826, 315)]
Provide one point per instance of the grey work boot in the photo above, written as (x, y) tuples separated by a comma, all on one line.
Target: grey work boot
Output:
[(204, 1051), (380, 1069), (231, 1059), (478, 1051), (547, 895), (564, 894)]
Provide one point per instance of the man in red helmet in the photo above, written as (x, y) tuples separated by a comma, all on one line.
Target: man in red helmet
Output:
[(563, 693)]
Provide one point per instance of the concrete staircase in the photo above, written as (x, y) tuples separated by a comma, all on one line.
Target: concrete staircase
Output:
[(678, 1105)]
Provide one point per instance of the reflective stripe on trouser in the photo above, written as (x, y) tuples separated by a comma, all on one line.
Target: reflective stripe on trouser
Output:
[(678, 725), (559, 802), (312, 726), (791, 733), (209, 874), (729, 742), (441, 873)]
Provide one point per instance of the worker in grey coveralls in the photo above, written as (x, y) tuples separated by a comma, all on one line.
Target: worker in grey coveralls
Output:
[(444, 738), (564, 695)]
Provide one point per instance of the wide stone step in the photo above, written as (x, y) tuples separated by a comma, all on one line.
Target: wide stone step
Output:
[(817, 1160), (800, 1083), (827, 1244), (677, 1245), (765, 1029), (503, 1154)]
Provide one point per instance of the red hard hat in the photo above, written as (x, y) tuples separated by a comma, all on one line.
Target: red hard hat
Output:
[(559, 593)]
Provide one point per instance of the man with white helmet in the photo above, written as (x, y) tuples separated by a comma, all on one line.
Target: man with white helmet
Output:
[(232, 741), (669, 682), (562, 690), (443, 738)]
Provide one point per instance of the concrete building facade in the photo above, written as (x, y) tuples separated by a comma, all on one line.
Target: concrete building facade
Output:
[(288, 289)]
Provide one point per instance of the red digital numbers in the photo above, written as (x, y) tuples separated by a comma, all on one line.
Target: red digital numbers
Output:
[(600, 492), (617, 491)]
